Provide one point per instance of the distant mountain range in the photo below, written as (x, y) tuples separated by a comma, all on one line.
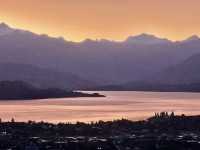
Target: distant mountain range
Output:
[(95, 62)]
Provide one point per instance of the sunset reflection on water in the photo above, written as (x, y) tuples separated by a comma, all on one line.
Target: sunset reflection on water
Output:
[(116, 105)]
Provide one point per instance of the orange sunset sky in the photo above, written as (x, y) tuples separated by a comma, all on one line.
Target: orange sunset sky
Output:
[(77, 20)]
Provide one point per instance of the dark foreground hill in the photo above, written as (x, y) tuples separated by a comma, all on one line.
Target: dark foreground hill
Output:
[(18, 90)]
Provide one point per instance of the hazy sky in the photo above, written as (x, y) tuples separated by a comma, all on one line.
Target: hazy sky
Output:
[(110, 19)]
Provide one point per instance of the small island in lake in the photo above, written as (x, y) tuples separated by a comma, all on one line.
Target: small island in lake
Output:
[(18, 90)]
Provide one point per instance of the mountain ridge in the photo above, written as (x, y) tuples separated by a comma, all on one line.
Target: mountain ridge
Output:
[(101, 61), (146, 36)]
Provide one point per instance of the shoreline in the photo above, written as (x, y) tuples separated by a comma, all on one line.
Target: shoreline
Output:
[(79, 95), (104, 121)]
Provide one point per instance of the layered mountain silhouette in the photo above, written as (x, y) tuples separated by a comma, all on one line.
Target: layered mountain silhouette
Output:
[(101, 62)]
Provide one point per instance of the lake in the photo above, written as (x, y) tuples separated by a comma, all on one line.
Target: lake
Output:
[(116, 105)]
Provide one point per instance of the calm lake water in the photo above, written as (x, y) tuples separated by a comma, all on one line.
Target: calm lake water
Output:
[(116, 105)]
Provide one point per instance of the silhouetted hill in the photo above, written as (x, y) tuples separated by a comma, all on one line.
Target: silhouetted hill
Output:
[(177, 78), (41, 77), (187, 72), (183, 77), (18, 90)]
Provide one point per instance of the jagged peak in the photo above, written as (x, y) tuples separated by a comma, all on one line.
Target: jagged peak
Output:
[(4, 25), (193, 38), (145, 38), (5, 29), (143, 35)]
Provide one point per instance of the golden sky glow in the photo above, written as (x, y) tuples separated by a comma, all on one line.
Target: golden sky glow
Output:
[(111, 19)]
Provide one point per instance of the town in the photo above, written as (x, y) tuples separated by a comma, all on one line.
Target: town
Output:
[(164, 131)]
